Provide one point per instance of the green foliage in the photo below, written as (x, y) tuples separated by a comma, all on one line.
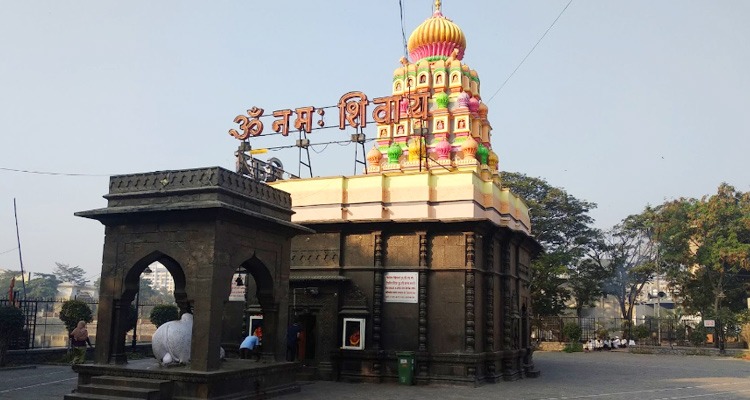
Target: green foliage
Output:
[(66, 273), (627, 254), (548, 293), (164, 313), (572, 332), (641, 331), (585, 280), (11, 321), (5, 279), (42, 286), (602, 333), (149, 295), (561, 224), (697, 336), (706, 244), (11, 326), (680, 333), (74, 311), (626, 326), (573, 347)]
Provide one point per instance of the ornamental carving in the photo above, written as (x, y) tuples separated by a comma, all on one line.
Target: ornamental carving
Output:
[(200, 178)]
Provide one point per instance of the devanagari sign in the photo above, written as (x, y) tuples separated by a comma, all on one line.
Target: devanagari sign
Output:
[(401, 287)]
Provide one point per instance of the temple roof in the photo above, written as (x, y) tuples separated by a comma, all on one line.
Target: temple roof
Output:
[(437, 36)]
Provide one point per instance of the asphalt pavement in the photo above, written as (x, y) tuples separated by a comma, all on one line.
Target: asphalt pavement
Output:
[(597, 376)]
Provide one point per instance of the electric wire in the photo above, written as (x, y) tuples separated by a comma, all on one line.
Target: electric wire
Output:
[(8, 251), (403, 29), (321, 150), (530, 51), (48, 172)]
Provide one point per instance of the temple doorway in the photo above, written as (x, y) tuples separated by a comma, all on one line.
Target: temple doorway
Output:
[(308, 338)]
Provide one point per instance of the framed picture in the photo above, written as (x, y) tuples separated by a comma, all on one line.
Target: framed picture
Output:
[(256, 326), (353, 334)]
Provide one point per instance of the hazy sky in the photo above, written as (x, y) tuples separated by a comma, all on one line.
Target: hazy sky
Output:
[(624, 103)]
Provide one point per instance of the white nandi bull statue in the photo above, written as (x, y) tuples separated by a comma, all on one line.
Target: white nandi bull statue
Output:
[(171, 341)]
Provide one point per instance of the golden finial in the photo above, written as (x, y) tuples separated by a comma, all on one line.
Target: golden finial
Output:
[(437, 5)]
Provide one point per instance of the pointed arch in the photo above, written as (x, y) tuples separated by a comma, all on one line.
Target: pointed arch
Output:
[(263, 280), (133, 276)]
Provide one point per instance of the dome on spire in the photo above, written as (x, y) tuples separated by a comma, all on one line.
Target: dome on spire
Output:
[(437, 36)]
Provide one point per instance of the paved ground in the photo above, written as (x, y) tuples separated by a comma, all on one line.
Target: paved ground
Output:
[(598, 376)]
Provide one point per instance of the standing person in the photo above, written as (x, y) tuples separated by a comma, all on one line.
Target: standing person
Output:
[(292, 339), (79, 338), (250, 347)]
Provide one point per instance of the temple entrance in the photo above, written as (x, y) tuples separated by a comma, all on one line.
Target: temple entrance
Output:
[(308, 338)]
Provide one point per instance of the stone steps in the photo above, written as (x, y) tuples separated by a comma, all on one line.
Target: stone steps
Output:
[(120, 388)]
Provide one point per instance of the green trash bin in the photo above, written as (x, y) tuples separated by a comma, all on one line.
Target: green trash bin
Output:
[(405, 367)]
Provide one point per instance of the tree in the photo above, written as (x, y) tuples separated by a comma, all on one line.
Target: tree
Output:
[(163, 313), (74, 311), (706, 249), (561, 223), (42, 286), (707, 253), (628, 255), (66, 273), (147, 294), (97, 284), (572, 332), (586, 283), (5, 278), (11, 326)]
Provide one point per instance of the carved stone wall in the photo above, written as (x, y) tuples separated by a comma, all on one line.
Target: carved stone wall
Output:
[(465, 291)]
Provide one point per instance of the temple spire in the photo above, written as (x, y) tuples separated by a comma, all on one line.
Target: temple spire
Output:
[(437, 6)]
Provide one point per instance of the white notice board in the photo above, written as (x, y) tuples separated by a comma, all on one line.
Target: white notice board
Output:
[(401, 287), (238, 292)]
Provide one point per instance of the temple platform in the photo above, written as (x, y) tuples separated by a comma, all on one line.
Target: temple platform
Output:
[(146, 379)]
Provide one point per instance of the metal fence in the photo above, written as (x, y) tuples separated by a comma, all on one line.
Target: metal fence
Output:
[(651, 331), (43, 327)]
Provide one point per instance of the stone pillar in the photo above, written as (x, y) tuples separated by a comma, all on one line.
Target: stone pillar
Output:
[(377, 300), (274, 332), (469, 298), (506, 323), (489, 308), (422, 298), (213, 283), (121, 309), (469, 328)]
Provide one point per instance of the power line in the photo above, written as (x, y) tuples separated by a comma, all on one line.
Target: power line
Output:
[(530, 51), (8, 251), (403, 30), (47, 172)]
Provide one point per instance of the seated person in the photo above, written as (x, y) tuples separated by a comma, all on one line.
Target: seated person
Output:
[(250, 347)]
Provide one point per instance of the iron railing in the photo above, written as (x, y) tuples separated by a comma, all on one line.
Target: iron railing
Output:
[(43, 327), (651, 331)]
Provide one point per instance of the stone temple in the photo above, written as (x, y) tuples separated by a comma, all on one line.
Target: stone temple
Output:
[(425, 256), (425, 252)]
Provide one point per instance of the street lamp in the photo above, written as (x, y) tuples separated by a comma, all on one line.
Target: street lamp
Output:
[(137, 305), (719, 326)]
